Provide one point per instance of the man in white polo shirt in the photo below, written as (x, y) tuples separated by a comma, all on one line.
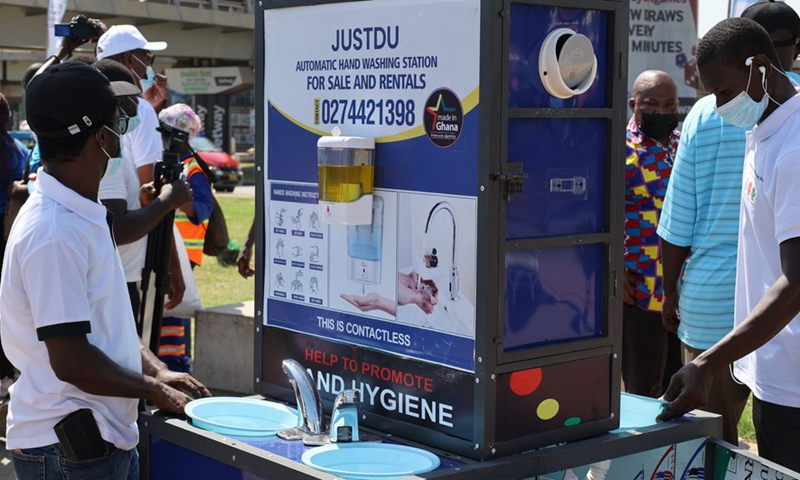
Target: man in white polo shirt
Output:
[(738, 64), (63, 319)]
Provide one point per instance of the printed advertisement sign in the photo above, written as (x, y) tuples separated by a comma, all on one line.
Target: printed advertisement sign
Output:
[(663, 36), (385, 70), (415, 392)]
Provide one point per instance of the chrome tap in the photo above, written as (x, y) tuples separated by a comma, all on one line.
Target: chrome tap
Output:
[(453, 264), (344, 418), (308, 400)]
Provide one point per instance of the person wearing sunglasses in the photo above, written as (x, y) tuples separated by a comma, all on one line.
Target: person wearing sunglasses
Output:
[(120, 193), (126, 45)]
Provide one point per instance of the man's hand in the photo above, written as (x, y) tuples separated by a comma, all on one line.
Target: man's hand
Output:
[(157, 93), (146, 193), (168, 399), (176, 194), (687, 390), (243, 262), (629, 288), (183, 382), (669, 312)]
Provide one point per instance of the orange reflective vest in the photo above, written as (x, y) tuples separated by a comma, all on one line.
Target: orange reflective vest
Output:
[(193, 235)]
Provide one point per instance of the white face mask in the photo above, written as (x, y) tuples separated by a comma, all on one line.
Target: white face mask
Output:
[(743, 111)]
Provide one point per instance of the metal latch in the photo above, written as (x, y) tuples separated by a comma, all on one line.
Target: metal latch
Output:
[(512, 180)]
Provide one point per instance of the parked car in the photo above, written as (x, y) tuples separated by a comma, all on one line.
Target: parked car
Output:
[(227, 171)]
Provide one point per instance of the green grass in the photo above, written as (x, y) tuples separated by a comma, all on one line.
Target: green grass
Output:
[(746, 430), (220, 285)]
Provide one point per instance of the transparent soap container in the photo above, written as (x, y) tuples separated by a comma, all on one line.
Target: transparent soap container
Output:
[(346, 177)]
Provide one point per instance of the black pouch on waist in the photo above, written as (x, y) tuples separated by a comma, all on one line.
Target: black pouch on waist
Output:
[(79, 436)]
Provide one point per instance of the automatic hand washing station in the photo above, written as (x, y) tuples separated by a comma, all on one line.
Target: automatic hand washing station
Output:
[(465, 296)]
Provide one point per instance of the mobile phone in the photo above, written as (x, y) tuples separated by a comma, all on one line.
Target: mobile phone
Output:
[(79, 436)]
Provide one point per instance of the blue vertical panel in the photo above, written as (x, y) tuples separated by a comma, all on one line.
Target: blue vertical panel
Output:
[(565, 191), (530, 24), (552, 295)]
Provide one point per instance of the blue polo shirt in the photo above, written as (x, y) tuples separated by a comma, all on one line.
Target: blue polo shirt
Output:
[(701, 211)]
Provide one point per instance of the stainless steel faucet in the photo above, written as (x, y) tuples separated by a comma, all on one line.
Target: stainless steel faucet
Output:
[(308, 400), (453, 263)]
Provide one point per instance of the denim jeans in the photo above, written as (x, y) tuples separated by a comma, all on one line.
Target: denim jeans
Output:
[(49, 463)]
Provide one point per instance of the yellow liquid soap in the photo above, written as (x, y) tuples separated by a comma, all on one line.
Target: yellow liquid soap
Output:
[(345, 183)]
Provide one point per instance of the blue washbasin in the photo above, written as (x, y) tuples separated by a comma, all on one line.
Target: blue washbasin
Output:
[(637, 412), (241, 417), (363, 461)]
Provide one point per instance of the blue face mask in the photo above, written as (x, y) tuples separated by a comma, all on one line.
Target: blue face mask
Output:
[(147, 82), (743, 111), (134, 122)]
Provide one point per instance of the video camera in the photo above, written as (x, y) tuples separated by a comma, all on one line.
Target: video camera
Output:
[(170, 167), (80, 28)]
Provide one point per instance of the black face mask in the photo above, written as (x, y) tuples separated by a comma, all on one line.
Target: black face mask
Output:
[(659, 125)]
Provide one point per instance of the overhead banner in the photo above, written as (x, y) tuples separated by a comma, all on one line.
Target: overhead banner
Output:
[(663, 36), (386, 70)]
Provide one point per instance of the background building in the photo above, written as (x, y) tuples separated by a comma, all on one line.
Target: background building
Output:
[(209, 40)]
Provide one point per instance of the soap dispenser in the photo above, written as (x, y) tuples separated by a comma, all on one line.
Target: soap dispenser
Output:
[(344, 419)]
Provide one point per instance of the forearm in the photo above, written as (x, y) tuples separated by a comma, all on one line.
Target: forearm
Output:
[(135, 224), (151, 365), (93, 372), (775, 310), (672, 260)]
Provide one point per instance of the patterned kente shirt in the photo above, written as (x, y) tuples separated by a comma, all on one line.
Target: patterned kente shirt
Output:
[(647, 169)]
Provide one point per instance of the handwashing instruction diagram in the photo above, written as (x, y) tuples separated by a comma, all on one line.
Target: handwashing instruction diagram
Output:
[(404, 283), (298, 246)]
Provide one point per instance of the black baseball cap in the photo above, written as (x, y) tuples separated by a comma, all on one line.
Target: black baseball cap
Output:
[(68, 98), (773, 16)]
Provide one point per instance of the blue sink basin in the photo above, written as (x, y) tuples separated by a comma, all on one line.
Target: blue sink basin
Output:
[(363, 461), (637, 412), (241, 417)]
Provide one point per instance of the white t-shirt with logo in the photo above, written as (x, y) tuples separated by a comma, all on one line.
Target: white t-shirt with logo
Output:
[(770, 215), (122, 183), (62, 275)]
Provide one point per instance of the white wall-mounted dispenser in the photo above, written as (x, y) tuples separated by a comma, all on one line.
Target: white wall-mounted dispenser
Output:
[(567, 63)]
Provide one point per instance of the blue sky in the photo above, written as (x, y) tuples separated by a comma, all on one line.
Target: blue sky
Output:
[(712, 11)]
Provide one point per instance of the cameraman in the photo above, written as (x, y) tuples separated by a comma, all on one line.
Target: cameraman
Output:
[(119, 192)]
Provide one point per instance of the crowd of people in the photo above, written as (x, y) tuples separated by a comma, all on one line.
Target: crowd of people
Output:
[(712, 283), (711, 229)]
